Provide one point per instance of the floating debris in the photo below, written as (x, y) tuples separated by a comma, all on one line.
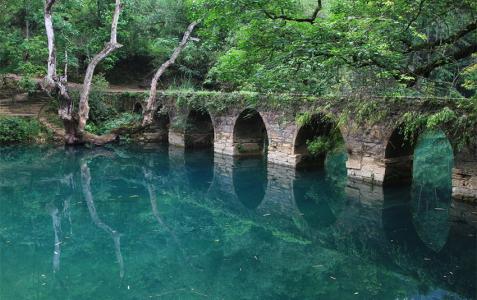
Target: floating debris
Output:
[(266, 215), (439, 208), (427, 259), (334, 278)]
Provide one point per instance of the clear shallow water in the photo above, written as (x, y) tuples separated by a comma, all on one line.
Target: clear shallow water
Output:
[(135, 223)]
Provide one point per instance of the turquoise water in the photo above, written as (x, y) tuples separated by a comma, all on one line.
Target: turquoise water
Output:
[(137, 223)]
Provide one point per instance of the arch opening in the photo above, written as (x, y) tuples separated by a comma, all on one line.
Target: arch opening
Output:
[(199, 130), (315, 140), (137, 109), (250, 134), (398, 158), (433, 149)]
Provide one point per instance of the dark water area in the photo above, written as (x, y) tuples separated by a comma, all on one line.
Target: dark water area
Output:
[(160, 223)]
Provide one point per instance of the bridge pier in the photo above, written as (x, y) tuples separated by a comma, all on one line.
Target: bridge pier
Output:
[(464, 175), (365, 148), (224, 134)]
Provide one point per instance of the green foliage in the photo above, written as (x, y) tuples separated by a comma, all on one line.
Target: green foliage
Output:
[(318, 146), (27, 84), (19, 130), (353, 47), (119, 121), (321, 145)]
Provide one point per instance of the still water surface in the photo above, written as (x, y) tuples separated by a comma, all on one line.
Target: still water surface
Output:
[(137, 223)]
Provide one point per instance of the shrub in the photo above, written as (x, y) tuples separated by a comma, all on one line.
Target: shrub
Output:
[(18, 130), (115, 122), (27, 84)]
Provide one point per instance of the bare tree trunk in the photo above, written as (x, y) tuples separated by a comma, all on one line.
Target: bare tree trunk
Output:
[(52, 84), (151, 101)]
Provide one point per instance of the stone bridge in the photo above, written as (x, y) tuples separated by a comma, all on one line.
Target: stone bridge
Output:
[(378, 151)]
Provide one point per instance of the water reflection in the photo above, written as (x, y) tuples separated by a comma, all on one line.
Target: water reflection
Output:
[(88, 197), (192, 226)]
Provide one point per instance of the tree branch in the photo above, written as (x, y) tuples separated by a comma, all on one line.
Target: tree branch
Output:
[(310, 20), (449, 40), (419, 11), (462, 53), (151, 101)]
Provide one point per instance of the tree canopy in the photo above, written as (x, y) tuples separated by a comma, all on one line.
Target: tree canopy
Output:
[(320, 47)]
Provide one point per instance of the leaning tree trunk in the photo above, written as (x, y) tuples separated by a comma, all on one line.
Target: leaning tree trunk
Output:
[(108, 49), (74, 124), (151, 105)]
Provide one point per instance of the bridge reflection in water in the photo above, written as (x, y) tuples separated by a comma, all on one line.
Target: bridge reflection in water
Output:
[(194, 222)]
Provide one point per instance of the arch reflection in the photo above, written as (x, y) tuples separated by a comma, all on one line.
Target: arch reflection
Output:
[(250, 181), (199, 167)]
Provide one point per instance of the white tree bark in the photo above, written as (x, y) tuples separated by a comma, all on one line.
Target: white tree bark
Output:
[(151, 101), (50, 33), (108, 49)]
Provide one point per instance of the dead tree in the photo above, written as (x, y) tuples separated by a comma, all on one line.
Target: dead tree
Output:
[(53, 84), (151, 105)]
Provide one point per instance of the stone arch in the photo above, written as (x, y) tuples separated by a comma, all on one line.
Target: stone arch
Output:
[(318, 126), (250, 137), (399, 156), (138, 108), (199, 130)]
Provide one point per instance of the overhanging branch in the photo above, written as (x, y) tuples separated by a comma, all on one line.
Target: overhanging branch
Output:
[(310, 20)]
